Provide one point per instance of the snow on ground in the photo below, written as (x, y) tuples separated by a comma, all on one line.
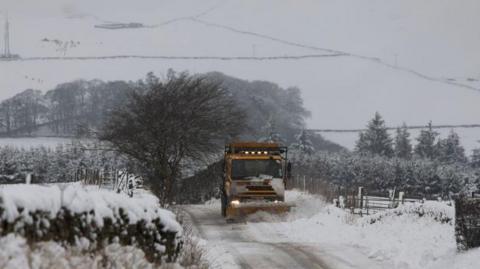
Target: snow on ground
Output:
[(432, 37), (27, 142), (20, 199), (215, 254), (397, 238), (78, 198)]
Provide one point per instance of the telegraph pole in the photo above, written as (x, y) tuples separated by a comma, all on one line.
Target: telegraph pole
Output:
[(6, 48)]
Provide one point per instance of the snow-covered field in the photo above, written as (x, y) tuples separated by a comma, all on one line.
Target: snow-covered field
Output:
[(397, 238), (381, 42), (27, 142)]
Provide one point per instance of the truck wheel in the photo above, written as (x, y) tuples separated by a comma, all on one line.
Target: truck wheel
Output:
[(224, 204)]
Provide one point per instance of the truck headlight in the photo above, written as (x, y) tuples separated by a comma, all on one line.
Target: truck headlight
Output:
[(235, 202)]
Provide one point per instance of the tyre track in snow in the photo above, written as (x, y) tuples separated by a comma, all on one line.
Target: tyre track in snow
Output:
[(250, 253)]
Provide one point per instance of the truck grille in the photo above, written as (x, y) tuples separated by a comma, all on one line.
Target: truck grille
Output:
[(260, 188), (259, 191)]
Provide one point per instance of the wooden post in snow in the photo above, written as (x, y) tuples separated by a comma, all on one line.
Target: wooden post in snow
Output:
[(401, 197)]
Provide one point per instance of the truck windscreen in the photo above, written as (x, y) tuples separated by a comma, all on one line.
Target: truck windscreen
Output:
[(249, 169)]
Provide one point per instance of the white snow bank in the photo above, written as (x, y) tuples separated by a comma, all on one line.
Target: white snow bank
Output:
[(443, 212), (29, 198), (78, 198), (16, 253), (410, 237)]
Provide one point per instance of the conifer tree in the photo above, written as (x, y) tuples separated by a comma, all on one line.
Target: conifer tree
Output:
[(303, 146), (449, 149), (425, 147), (475, 161), (271, 133), (403, 147), (375, 139)]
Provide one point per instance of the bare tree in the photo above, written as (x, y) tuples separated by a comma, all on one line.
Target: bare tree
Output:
[(182, 118)]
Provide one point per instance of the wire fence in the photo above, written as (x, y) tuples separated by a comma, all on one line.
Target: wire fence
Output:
[(358, 200), (119, 180)]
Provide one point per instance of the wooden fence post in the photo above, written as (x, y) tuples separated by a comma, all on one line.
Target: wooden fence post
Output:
[(360, 199), (304, 183), (401, 197)]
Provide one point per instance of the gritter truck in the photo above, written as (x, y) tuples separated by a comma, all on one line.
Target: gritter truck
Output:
[(255, 175)]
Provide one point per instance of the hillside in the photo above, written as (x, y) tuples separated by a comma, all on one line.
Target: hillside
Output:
[(386, 63), (81, 107)]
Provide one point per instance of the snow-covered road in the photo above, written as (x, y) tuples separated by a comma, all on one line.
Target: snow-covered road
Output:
[(241, 245), (316, 234)]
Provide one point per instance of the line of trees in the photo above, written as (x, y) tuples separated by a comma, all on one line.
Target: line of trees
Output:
[(59, 164), (434, 167), (63, 111), (82, 107), (163, 126), (344, 172), (23, 111), (377, 141)]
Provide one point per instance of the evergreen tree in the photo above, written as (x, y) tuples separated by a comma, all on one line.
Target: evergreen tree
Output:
[(426, 143), (362, 143), (475, 161), (403, 147), (303, 146), (271, 133), (449, 149), (451, 182), (375, 139)]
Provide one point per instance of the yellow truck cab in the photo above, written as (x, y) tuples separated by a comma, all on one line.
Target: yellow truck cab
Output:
[(255, 176)]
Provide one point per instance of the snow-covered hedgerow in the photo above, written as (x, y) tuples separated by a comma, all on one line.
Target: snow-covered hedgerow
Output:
[(77, 215), (443, 212), (416, 177), (17, 253)]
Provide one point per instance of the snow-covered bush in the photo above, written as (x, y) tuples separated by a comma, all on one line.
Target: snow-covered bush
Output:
[(442, 212), (416, 177), (61, 164), (75, 215), (18, 253), (202, 186)]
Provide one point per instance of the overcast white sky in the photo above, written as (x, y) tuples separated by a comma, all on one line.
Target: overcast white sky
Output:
[(437, 38)]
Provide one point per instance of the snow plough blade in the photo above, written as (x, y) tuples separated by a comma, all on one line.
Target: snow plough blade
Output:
[(245, 209)]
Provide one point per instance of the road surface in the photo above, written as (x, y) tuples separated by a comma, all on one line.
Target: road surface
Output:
[(233, 245)]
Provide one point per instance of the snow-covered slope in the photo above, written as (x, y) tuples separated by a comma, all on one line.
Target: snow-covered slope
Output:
[(383, 41)]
